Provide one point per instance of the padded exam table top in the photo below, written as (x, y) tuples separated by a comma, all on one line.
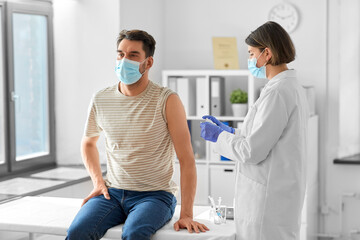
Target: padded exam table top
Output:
[(53, 215)]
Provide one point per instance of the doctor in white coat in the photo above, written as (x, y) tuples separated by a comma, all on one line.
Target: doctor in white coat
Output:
[(270, 149)]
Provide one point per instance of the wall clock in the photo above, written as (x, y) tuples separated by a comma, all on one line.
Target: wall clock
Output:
[(286, 15)]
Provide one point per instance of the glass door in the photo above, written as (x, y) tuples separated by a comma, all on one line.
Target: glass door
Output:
[(31, 90), (31, 86)]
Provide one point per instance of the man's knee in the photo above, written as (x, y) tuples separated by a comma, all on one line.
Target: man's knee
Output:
[(143, 232), (77, 232)]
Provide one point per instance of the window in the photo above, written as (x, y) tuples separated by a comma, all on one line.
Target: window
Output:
[(28, 110), (31, 85)]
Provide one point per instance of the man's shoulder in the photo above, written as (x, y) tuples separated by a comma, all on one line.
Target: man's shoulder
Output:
[(105, 92), (161, 90), (156, 86)]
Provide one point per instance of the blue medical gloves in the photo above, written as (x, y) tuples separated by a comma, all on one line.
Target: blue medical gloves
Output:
[(220, 124), (210, 131)]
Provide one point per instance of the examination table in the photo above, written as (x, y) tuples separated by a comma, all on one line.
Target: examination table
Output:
[(53, 215)]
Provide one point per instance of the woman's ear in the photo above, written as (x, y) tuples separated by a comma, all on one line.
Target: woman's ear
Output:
[(268, 54)]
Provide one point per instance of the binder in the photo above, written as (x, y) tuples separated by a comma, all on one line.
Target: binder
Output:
[(222, 158), (217, 96), (186, 91), (202, 96)]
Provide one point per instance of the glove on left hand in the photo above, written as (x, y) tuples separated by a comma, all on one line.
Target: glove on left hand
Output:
[(209, 131)]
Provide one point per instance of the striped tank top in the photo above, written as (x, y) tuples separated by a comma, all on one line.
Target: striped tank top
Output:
[(140, 152)]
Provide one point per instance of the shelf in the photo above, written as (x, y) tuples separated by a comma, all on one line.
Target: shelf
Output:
[(200, 161), (354, 159), (231, 163), (204, 161), (206, 72), (221, 118)]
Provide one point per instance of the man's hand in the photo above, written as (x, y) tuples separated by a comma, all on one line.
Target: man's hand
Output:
[(190, 224), (97, 191)]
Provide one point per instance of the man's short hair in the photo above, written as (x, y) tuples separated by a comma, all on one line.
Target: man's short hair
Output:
[(272, 35), (139, 35)]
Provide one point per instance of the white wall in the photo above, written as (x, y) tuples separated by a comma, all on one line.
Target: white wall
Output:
[(85, 52), (189, 29), (342, 136), (349, 74), (147, 16)]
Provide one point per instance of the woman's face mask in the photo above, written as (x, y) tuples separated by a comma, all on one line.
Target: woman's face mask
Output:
[(254, 70), (128, 71)]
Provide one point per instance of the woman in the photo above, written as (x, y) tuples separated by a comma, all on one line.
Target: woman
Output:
[(270, 149)]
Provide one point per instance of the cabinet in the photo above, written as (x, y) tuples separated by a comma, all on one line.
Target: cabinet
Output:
[(222, 182), (202, 191)]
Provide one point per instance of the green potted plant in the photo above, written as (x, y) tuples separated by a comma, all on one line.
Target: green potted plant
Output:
[(239, 99)]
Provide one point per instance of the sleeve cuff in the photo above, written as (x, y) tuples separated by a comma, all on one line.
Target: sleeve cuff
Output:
[(222, 138)]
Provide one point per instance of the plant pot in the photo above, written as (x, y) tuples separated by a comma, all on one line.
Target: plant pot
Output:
[(239, 109)]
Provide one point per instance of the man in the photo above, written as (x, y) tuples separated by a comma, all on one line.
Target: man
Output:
[(142, 123)]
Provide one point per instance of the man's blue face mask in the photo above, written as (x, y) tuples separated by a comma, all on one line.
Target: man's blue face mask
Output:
[(254, 70), (128, 71)]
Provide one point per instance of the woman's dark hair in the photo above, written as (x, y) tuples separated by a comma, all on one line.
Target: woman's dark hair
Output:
[(271, 35), (139, 35)]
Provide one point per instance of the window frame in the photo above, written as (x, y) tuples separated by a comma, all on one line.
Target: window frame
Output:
[(4, 167), (43, 8)]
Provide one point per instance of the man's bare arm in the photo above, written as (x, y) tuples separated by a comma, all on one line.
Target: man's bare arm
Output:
[(178, 128), (90, 156)]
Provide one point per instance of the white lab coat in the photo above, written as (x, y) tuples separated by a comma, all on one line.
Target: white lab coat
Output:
[(270, 151)]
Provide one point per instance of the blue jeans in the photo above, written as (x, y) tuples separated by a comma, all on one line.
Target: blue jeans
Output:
[(142, 212)]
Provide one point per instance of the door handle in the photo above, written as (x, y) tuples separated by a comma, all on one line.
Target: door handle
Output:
[(14, 96)]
